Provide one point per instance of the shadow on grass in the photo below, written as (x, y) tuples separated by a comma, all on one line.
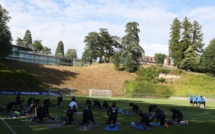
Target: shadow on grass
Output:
[(200, 120), (55, 76)]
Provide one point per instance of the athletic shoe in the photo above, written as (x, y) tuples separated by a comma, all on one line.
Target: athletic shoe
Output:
[(166, 125)]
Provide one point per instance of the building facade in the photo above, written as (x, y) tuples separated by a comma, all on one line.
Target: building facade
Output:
[(25, 54)]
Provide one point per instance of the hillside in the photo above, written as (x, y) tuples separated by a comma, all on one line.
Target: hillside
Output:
[(80, 79)]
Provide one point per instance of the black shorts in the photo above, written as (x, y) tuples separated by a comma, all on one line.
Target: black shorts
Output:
[(191, 101), (146, 121)]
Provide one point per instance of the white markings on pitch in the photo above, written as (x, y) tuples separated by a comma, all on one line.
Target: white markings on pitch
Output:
[(8, 126)]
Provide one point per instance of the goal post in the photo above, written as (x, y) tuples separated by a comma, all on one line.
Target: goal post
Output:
[(100, 93)]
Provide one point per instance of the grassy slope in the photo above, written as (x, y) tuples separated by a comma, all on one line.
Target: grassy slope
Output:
[(194, 84), (103, 76)]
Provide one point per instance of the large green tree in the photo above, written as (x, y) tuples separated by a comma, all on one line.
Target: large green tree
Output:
[(60, 49), (46, 50), (37, 46), (131, 50), (174, 42), (93, 48), (159, 57), (191, 59), (19, 42), (208, 58), (192, 54), (5, 34), (197, 37), (186, 37), (27, 39), (71, 54)]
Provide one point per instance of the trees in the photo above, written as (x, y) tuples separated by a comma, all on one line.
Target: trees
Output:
[(71, 54), (46, 50), (174, 42), (19, 42), (27, 40), (100, 45), (185, 49), (60, 49), (208, 58), (160, 58), (197, 37), (131, 50), (195, 46), (5, 34), (37, 46), (93, 48)]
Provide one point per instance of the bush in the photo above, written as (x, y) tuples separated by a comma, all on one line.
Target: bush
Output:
[(147, 88)]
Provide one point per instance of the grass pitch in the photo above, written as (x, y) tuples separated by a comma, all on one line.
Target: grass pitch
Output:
[(201, 120)]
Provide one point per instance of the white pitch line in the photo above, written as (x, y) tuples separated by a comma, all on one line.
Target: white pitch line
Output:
[(8, 126)]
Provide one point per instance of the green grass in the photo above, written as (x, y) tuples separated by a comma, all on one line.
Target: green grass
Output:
[(194, 84), (200, 120)]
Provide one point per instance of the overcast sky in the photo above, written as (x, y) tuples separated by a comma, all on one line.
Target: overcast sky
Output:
[(71, 20)]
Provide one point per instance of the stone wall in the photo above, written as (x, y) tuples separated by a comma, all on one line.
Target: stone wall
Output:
[(169, 76)]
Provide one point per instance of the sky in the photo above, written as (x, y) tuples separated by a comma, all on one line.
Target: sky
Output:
[(70, 21)]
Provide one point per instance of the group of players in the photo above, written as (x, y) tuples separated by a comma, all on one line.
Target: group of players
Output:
[(112, 113), (199, 101), (42, 112)]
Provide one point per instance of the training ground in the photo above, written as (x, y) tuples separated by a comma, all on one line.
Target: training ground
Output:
[(201, 120)]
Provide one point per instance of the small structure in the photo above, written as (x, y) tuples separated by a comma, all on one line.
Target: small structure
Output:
[(148, 60), (166, 61), (77, 62)]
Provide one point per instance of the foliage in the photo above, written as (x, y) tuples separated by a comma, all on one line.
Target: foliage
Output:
[(19, 42), (150, 74), (71, 54), (197, 38), (191, 60), (60, 49), (208, 58), (160, 58), (37, 46), (91, 50), (147, 88), (100, 45), (46, 50), (116, 60), (185, 49), (27, 40), (174, 42), (5, 34), (131, 52)]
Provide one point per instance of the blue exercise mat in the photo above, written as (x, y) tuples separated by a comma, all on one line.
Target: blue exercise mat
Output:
[(116, 128), (183, 123), (155, 124), (125, 112), (139, 126), (79, 112)]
